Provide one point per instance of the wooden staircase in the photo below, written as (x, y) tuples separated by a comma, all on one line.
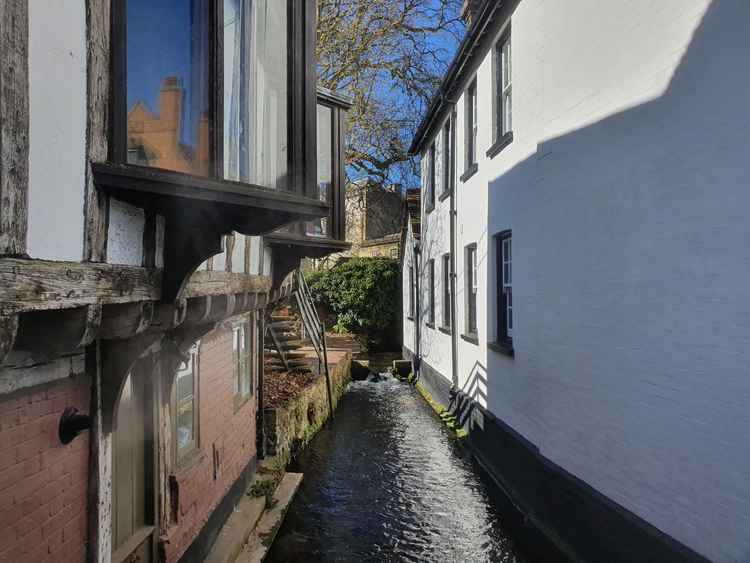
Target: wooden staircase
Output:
[(283, 342)]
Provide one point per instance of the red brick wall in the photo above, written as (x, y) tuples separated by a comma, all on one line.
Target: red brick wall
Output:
[(42, 483), (233, 435)]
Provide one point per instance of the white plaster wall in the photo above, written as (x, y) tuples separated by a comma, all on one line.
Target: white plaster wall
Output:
[(409, 328), (57, 135), (127, 224), (256, 255), (238, 254), (625, 188), (435, 241)]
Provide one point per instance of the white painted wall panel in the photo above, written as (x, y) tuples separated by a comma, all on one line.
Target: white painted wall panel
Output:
[(256, 255), (238, 254), (625, 188), (57, 136), (125, 234)]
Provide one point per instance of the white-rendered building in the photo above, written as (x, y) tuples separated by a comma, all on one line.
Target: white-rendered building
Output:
[(598, 346)]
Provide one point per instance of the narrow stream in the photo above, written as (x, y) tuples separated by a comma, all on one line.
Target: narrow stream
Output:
[(386, 482)]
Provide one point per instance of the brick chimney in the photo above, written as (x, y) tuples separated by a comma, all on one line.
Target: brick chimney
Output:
[(170, 105), (470, 10)]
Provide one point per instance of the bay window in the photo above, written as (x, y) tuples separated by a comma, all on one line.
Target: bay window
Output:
[(212, 88)]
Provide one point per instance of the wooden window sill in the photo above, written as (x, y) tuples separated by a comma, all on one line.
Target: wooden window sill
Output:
[(472, 338), (500, 144), (502, 347), (445, 330), (469, 172)]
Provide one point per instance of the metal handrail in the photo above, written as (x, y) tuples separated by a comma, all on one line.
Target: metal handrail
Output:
[(315, 329)]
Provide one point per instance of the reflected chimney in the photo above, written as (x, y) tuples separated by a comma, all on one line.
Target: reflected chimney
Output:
[(170, 105)]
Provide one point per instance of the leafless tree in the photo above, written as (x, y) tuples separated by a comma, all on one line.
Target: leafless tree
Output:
[(389, 55)]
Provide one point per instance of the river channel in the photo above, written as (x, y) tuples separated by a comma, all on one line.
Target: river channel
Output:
[(385, 481)]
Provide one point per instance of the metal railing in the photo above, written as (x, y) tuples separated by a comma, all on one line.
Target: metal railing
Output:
[(313, 329)]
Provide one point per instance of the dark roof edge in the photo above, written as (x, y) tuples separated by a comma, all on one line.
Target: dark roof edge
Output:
[(335, 98), (455, 71)]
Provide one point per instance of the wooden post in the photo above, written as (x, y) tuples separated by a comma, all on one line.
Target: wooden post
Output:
[(325, 362), (14, 126), (96, 205)]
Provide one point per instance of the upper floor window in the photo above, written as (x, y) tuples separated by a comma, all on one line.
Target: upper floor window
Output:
[(471, 133), (411, 291), (186, 405), (242, 352), (206, 87), (446, 291), (504, 247), (430, 199), (503, 95), (448, 168), (431, 288), (322, 227), (471, 276)]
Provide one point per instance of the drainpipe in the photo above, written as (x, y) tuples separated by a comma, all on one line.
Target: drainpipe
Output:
[(417, 312), (453, 218)]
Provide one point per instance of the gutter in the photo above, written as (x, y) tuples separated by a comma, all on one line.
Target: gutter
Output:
[(453, 74)]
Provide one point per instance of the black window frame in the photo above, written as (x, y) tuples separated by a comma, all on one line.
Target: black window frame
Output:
[(431, 293), (500, 139), (339, 107), (504, 341), (410, 314), (449, 157), (471, 325), (184, 456), (431, 180), (302, 164), (470, 137), (447, 321)]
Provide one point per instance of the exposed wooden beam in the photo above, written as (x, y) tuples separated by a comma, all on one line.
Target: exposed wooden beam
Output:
[(36, 285), (98, 24), (204, 283), (14, 126)]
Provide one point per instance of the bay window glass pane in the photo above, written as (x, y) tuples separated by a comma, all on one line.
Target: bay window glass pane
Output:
[(168, 85), (320, 227), (186, 403), (256, 92)]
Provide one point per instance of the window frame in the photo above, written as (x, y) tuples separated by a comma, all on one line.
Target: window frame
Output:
[(247, 326), (502, 132), (504, 285), (431, 293), (301, 103), (182, 456), (448, 158), (471, 131), (447, 324), (471, 328), (410, 314), (431, 180)]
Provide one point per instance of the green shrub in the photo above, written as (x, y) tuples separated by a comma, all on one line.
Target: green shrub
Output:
[(364, 294)]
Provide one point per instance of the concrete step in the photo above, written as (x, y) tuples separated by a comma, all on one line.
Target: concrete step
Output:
[(237, 529), (282, 325), (262, 537)]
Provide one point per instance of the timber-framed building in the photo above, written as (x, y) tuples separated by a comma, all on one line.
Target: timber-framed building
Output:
[(164, 165)]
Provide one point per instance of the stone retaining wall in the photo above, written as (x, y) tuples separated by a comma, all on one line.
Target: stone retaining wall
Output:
[(290, 427)]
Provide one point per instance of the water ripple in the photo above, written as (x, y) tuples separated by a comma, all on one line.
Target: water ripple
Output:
[(385, 482)]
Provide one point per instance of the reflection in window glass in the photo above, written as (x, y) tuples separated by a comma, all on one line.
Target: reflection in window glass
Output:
[(255, 92), (319, 227), (167, 85), (185, 401)]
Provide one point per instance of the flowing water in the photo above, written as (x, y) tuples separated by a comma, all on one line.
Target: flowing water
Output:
[(386, 482)]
